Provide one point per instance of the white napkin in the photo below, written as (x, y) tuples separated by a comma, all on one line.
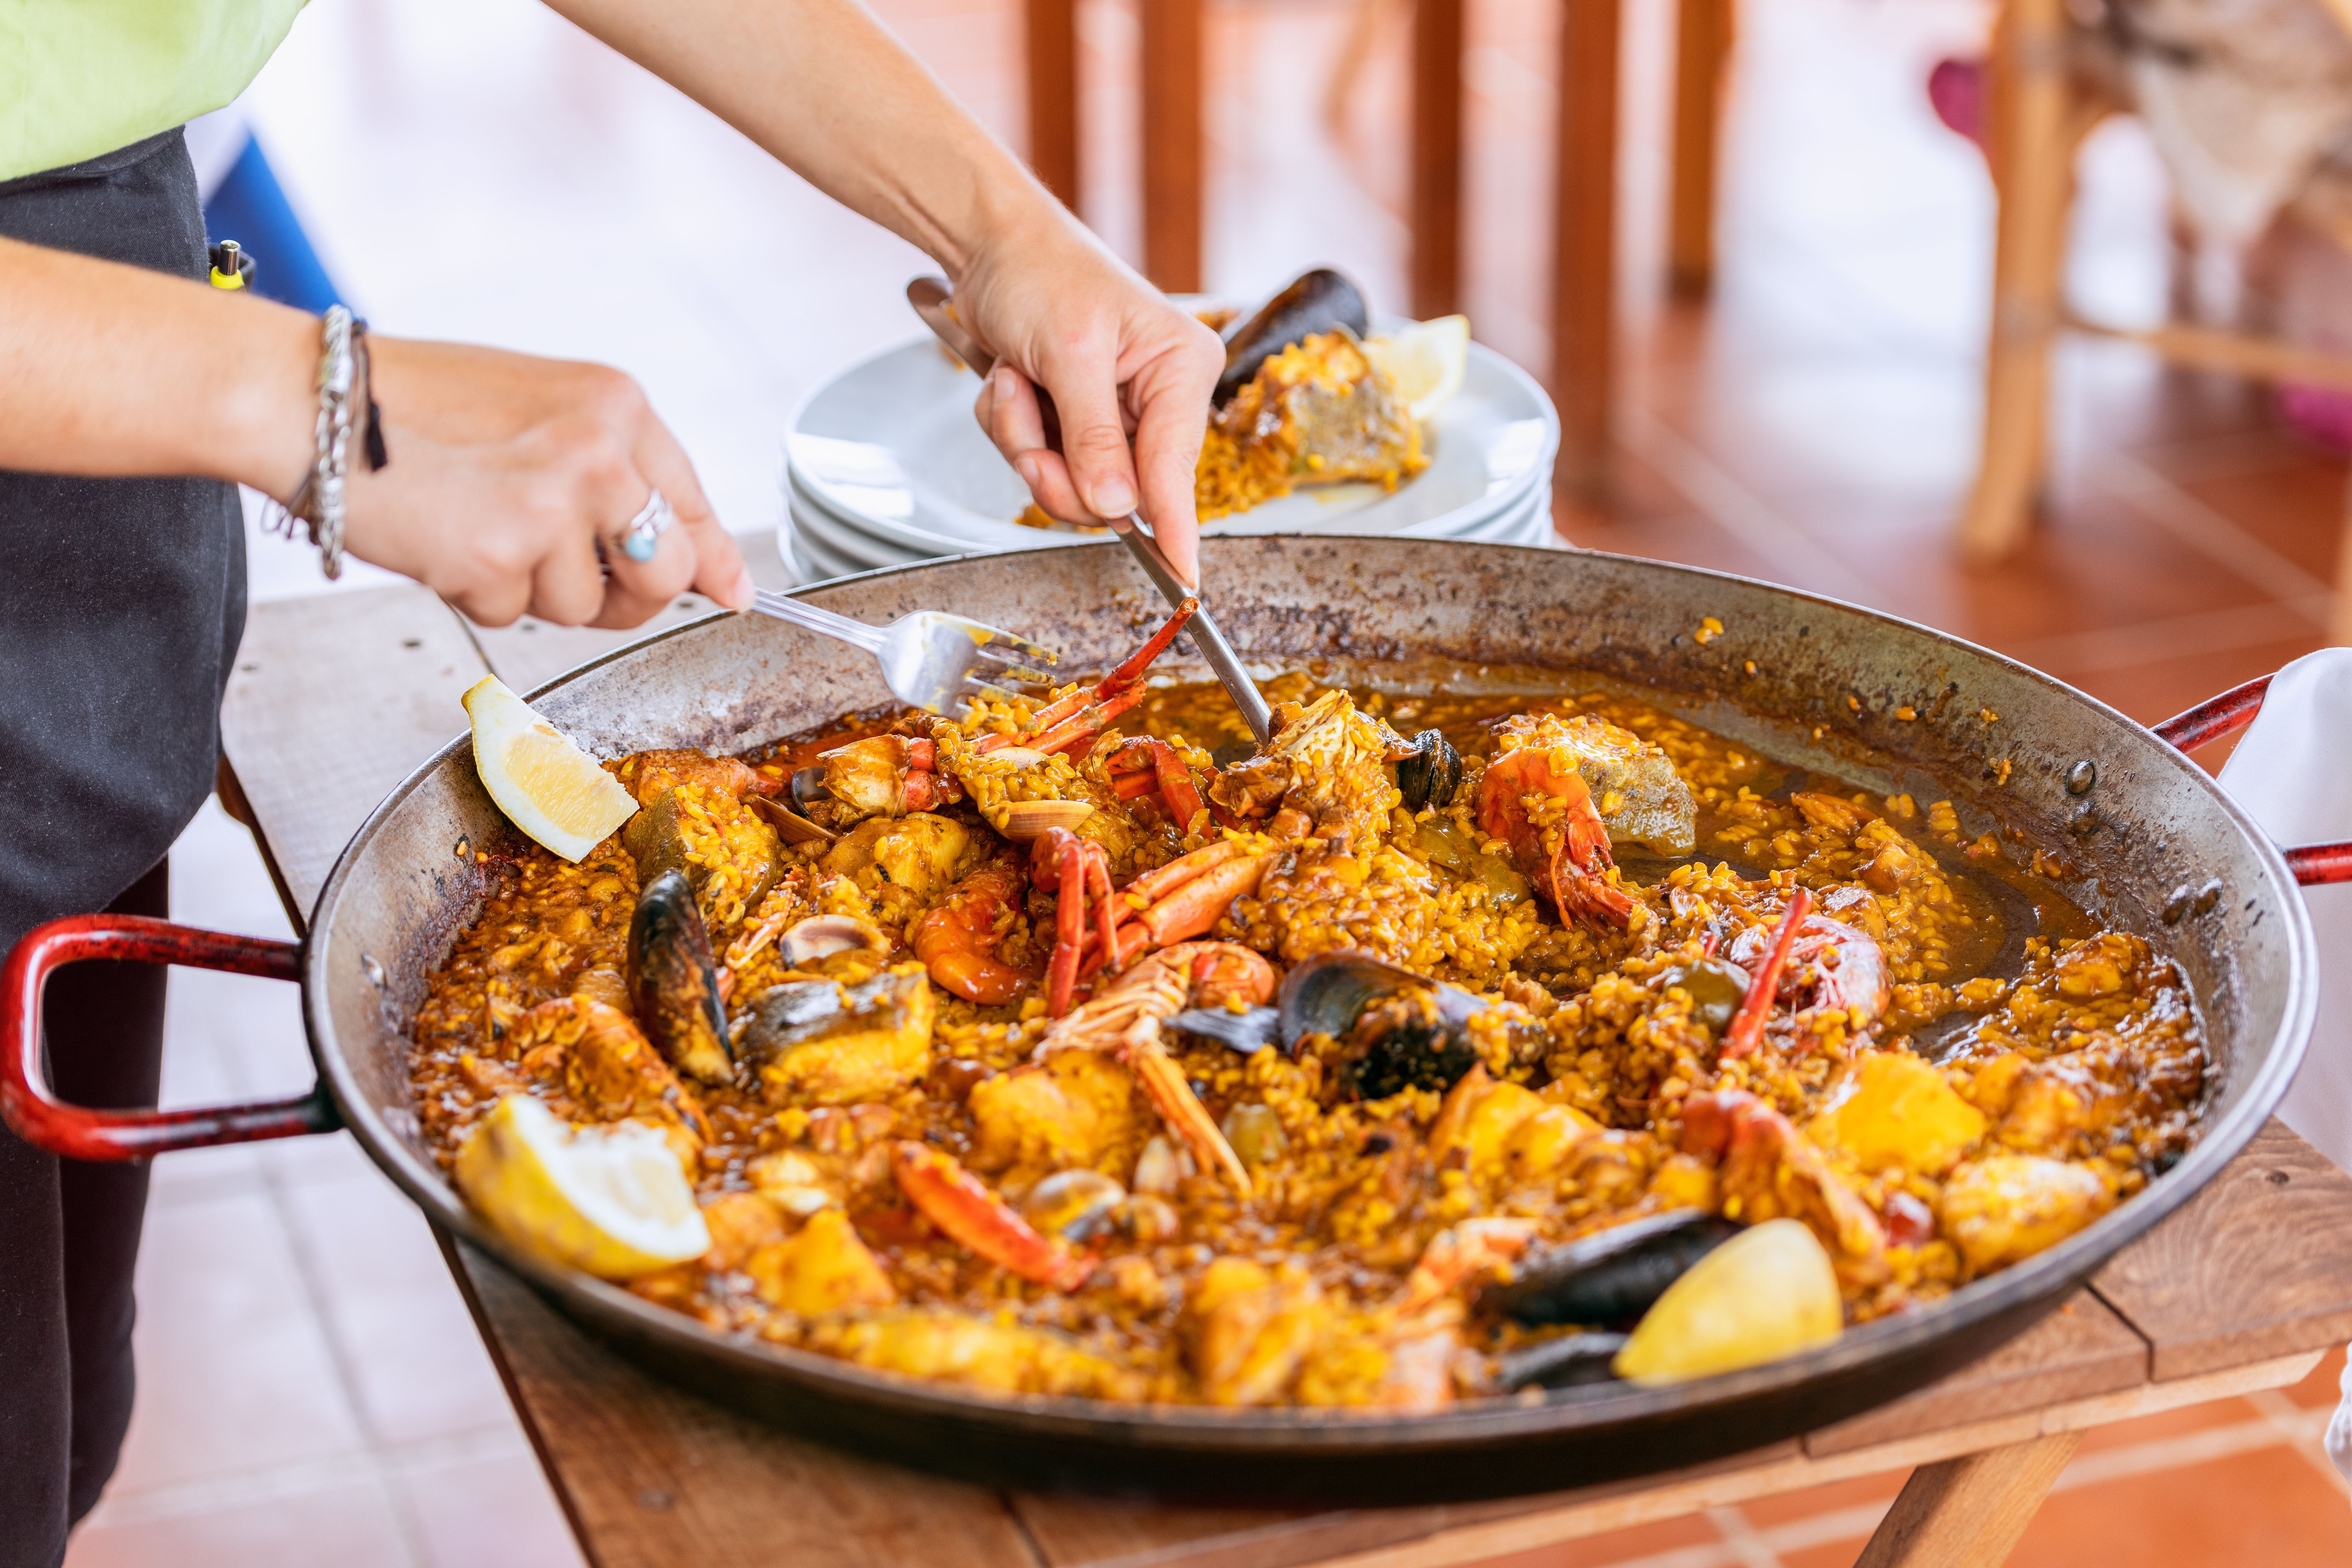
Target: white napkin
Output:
[(2289, 772)]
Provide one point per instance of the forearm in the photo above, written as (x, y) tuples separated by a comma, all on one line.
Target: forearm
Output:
[(824, 87), (112, 370)]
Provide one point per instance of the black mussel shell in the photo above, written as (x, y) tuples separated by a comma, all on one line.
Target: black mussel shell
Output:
[(1717, 989), (654, 841), (673, 984), (1569, 1362), (1608, 1279), (1315, 301), (1247, 1033), (808, 786), (1432, 775), (1399, 1030)]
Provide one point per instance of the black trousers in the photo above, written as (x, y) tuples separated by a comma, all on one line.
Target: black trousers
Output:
[(121, 604), (69, 1237)]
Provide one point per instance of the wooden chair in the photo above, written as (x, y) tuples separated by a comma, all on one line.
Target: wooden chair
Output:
[(1584, 294), (2038, 113), (1584, 234), (1173, 137)]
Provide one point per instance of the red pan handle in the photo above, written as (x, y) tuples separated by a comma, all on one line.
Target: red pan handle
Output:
[(2226, 715), (79, 1132)]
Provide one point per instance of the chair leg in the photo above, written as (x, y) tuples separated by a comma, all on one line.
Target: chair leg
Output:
[(1584, 245), (2032, 159), (1702, 56), (1437, 197), (1052, 47), (1172, 144)]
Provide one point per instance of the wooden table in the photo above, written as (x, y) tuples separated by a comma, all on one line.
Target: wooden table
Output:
[(336, 697)]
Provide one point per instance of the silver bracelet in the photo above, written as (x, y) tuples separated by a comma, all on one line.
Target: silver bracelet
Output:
[(344, 402), (336, 377)]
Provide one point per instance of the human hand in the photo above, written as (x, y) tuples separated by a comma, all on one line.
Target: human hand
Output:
[(506, 473), (1119, 361)]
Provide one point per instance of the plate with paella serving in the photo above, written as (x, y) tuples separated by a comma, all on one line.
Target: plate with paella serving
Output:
[(1323, 425)]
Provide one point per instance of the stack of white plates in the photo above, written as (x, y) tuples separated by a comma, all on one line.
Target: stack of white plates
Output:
[(883, 465)]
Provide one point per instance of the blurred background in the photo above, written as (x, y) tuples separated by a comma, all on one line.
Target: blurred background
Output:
[(312, 1389)]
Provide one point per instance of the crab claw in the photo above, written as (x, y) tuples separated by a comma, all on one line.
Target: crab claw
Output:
[(957, 1202)]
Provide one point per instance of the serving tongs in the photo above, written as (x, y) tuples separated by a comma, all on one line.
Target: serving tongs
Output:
[(934, 303)]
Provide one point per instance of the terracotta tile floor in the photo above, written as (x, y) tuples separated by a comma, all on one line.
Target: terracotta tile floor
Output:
[(312, 1390)]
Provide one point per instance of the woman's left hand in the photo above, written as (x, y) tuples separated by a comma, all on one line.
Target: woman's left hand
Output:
[(1120, 361)]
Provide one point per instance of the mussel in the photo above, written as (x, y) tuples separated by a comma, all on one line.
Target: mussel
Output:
[(1317, 302), (1569, 1362), (1608, 1279), (1398, 1029), (1430, 775), (673, 984)]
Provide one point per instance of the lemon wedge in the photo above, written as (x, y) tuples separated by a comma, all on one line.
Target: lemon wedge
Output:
[(608, 1201), (547, 787), (1767, 1293), (1425, 362)]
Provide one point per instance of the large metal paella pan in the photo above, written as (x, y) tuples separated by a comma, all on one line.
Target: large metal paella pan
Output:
[(2156, 849)]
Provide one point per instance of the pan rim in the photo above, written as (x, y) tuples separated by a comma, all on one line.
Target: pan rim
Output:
[(1239, 1434)]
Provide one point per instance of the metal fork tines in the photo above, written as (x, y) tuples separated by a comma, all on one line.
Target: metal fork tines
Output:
[(930, 660)]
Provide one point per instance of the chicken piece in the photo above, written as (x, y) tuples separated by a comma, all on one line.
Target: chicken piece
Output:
[(904, 864), (1326, 760), (1641, 798), (1903, 1113), (2003, 1209), (821, 1043), (1506, 1135), (650, 774), (794, 1183), (592, 1063), (1074, 1109), (1248, 1329), (825, 1267), (740, 1225), (1000, 1358)]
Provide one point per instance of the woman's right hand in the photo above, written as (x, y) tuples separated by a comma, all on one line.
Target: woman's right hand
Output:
[(506, 470)]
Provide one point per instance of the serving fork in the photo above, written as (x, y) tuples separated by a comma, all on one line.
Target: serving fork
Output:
[(930, 660)]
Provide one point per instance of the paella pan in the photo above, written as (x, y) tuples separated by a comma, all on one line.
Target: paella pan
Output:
[(1864, 712)]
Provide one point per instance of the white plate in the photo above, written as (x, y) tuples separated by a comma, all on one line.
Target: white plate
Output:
[(891, 446)]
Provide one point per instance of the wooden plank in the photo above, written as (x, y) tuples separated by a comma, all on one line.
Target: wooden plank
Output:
[(2080, 1350), (2259, 1264), (334, 700), (1172, 87), (1584, 243), (1436, 175), (1702, 58), (1050, 36), (650, 1476), (1968, 1513)]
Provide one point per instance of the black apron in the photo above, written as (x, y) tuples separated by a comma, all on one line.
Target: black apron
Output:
[(122, 601)]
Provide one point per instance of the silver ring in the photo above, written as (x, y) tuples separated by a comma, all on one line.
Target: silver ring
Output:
[(643, 536)]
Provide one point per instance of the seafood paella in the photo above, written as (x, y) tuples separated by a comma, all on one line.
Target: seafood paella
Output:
[(1468, 1040), (1311, 395)]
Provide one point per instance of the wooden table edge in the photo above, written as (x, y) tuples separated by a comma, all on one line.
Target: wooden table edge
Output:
[(1574, 1520)]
